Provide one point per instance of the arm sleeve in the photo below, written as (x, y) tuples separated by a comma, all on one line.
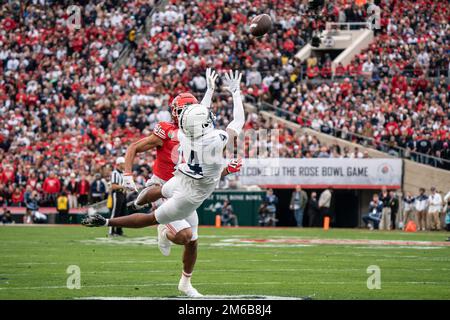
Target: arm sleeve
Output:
[(160, 131), (238, 114), (207, 99)]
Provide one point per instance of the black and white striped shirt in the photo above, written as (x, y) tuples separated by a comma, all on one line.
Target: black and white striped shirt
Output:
[(117, 177)]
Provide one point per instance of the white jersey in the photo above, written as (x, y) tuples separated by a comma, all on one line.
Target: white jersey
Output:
[(203, 157)]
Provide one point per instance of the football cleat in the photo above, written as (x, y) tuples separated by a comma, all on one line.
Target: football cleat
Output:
[(132, 207), (164, 244), (94, 220), (189, 290)]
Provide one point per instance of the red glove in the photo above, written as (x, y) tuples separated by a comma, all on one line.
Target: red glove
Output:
[(234, 166)]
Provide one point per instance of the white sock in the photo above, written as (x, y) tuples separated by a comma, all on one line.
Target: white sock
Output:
[(107, 223), (185, 279), (164, 233)]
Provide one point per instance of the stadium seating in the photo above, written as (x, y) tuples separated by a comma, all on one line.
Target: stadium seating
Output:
[(67, 105)]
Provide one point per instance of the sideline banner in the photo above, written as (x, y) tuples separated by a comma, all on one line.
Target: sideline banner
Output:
[(321, 173)]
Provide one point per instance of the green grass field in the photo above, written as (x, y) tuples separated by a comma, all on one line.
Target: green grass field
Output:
[(34, 260)]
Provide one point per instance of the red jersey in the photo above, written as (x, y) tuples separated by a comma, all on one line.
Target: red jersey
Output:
[(167, 154)]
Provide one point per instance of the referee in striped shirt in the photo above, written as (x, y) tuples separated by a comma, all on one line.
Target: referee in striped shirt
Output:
[(119, 201)]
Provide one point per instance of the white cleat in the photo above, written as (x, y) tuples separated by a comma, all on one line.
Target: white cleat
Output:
[(164, 244), (189, 291)]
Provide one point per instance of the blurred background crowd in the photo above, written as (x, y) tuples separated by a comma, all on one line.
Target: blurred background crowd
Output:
[(69, 106)]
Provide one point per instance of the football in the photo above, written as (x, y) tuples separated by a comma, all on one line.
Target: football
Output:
[(260, 25)]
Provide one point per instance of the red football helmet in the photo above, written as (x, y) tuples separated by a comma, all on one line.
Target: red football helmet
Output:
[(180, 102)]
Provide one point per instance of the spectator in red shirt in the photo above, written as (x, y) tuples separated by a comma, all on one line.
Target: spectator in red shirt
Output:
[(83, 191), (346, 87), (21, 97), (32, 180), (289, 47), (326, 71), (340, 71), (354, 70), (192, 47), (399, 82), (51, 187), (17, 198), (8, 175), (312, 71), (9, 24), (421, 84)]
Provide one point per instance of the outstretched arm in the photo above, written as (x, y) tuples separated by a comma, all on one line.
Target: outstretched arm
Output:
[(211, 77), (233, 82), (139, 146)]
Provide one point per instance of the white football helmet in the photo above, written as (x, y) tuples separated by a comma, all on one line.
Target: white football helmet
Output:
[(196, 120)]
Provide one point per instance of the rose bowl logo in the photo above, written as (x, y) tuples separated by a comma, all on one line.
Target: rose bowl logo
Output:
[(385, 172)]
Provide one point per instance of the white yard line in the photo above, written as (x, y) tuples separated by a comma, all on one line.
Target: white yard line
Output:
[(174, 284), (207, 297)]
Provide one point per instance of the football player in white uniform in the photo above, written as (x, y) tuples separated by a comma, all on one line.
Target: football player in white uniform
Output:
[(202, 149)]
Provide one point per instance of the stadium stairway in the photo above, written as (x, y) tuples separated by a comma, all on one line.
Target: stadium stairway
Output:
[(341, 44), (125, 54)]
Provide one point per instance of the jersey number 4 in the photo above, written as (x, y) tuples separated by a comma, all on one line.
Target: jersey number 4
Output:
[(194, 163)]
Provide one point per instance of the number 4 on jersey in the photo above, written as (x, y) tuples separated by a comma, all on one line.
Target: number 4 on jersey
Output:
[(194, 163)]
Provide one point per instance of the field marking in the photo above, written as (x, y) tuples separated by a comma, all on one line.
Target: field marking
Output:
[(206, 297), (386, 247), (296, 241), (99, 262), (203, 271), (146, 240), (378, 257), (282, 241), (264, 245), (174, 284)]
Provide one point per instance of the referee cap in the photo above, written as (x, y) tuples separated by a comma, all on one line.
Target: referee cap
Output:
[(120, 160)]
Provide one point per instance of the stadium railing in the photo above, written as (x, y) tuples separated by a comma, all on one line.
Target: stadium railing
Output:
[(365, 141), (347, 25)]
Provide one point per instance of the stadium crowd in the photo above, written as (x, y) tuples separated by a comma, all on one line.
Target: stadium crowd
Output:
[(57, 85), (393, 96), (67, 110)]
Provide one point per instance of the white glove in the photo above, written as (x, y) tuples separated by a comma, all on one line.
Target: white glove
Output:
[(128, 182), (211, 77), (233, 81)]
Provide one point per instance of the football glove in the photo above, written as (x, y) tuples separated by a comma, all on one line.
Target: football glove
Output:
[(234, 166), (211, 77), (233, 81), (128, 182), (94, 220)]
